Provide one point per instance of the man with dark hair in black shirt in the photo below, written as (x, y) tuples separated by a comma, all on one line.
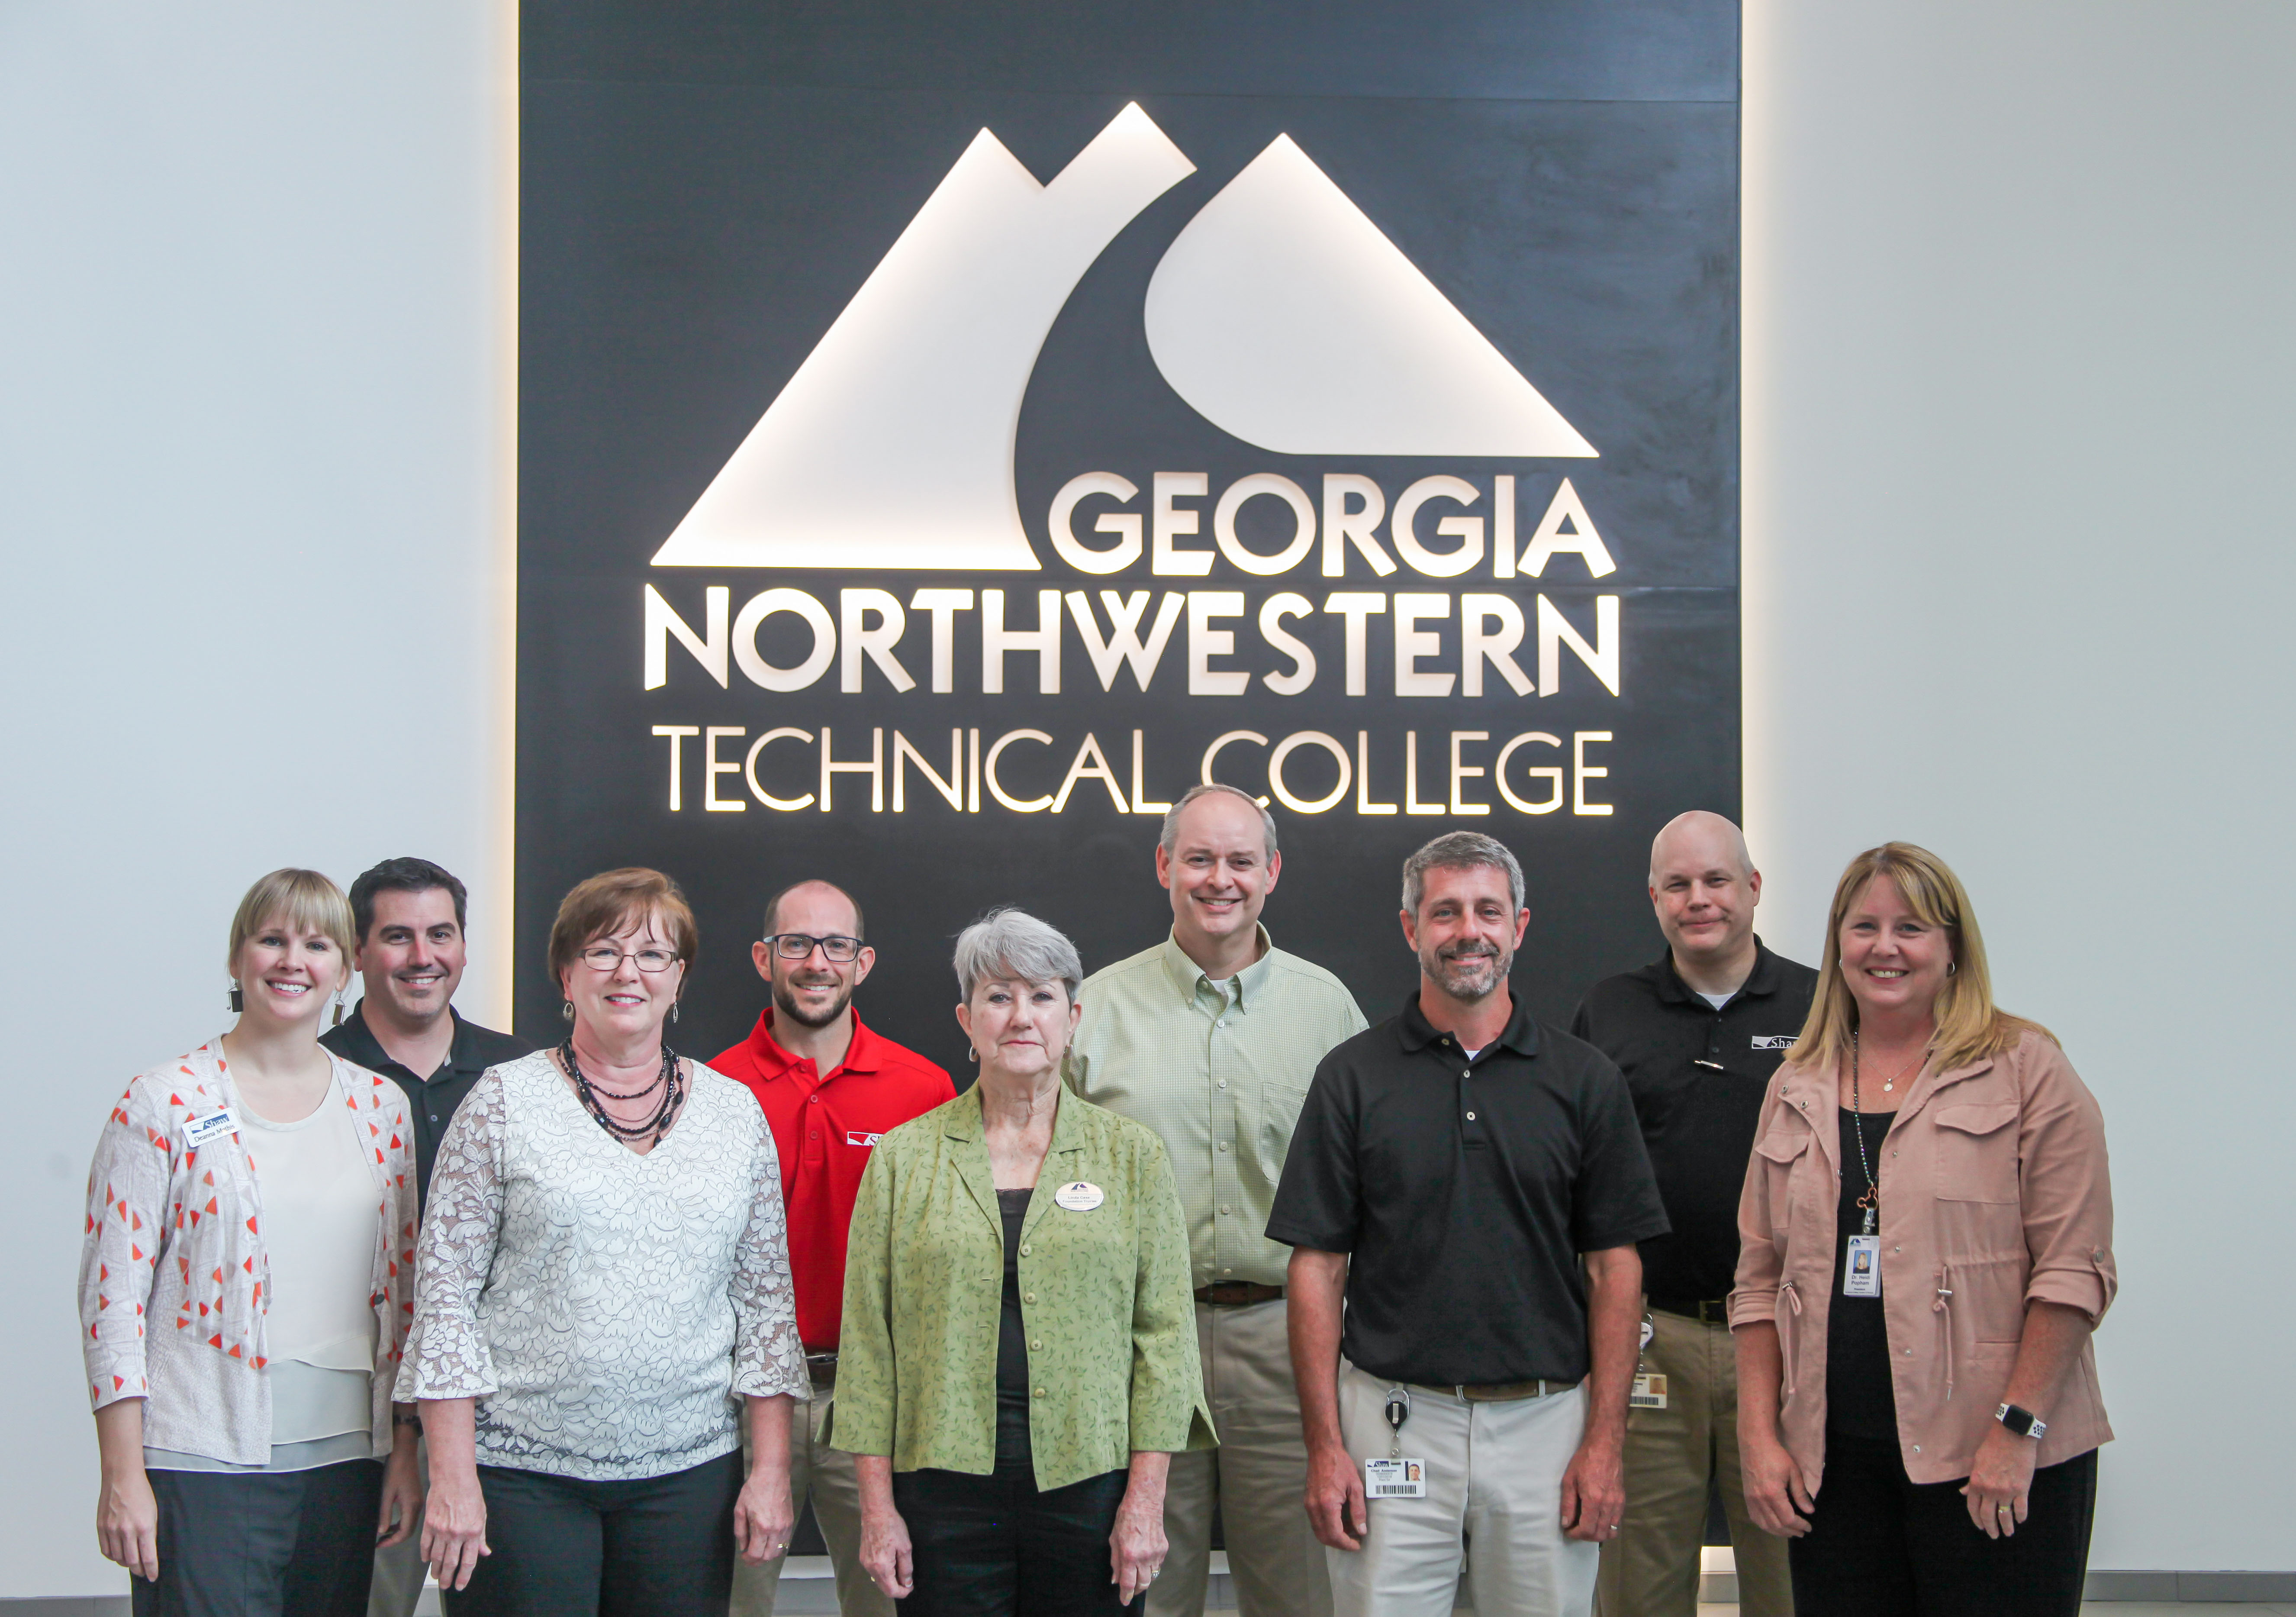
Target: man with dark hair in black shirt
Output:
[(1453, 1169), (1698, 1033), (409, 917)]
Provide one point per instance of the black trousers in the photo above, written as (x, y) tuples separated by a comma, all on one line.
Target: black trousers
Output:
[(1881, 1544), (263, 1544), (659, 1547), (995, 1546)]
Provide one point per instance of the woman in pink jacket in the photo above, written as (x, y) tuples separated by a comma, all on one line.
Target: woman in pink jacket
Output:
[(1926, 1238)]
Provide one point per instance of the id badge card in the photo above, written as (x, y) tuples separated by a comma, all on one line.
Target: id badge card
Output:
[(1861, 1266), (1395, 1479), (1649, 1390), (200, 1130)]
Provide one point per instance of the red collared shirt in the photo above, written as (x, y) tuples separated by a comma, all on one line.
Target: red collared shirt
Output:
[(823, 1128)]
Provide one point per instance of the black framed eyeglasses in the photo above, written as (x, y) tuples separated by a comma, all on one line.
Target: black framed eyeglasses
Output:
[(797, 946), (606, 957)]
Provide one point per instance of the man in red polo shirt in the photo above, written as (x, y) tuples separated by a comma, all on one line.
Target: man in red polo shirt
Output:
[(830, 1088)]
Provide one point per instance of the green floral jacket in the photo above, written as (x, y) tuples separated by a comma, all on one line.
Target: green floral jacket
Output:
[(1105, 1293)]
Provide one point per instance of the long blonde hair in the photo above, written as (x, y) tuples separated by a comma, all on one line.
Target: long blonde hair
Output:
[(1970, 1027)]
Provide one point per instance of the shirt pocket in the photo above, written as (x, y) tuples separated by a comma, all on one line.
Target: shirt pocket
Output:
[(1784, 1155), (1977, 1152)]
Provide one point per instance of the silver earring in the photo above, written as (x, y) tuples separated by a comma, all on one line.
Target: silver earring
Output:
[(238, 1001), (971, 1053), (339, 1008), (566, 1011), (673, 1010), (1951, 966)]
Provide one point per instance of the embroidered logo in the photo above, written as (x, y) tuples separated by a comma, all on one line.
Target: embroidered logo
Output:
[(1775, 1041), (855, 1136)]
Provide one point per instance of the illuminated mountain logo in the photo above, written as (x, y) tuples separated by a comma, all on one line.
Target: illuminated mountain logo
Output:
[(1279, 314)]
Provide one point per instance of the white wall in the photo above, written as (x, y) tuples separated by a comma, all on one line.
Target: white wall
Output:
[(2019, 337), (254, 451), (2017, 539)]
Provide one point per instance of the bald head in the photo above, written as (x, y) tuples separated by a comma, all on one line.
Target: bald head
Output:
[(1704, 838), (1703, 889)]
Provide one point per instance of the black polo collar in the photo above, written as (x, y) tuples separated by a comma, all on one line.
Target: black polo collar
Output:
[(1416, 1032), (367, 1051), (1761, 982)]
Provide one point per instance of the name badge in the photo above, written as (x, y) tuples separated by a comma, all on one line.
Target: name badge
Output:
[(855, 1136), (1395, 1479), (1775, 1041), (1861, 1266), (200, 1130), (1079, 1197), (1649, 1391)]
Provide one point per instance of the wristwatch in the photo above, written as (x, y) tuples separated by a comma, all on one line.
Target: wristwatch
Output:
[(2024, 1422)]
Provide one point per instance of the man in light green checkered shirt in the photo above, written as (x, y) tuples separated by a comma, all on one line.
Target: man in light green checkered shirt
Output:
[(1211, 1039)]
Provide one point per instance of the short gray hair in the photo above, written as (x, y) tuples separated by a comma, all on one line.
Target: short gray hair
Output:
[(1459, 851), (1012, 943), (1171, 838)]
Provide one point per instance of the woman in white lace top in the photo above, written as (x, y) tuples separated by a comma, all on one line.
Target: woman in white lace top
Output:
[(603, 1283)]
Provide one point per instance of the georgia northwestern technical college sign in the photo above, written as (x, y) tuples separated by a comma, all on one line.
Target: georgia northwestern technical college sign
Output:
[(1285, 317), (942, 443)]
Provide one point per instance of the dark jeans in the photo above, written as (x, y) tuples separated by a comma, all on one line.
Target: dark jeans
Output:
[(1881, 1544), (993, 1547), (659, 1547), (263, 1544)]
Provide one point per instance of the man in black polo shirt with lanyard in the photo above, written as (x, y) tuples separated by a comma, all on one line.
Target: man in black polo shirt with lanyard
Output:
[(1452, 1169), (1698, 1033), (409, 914)]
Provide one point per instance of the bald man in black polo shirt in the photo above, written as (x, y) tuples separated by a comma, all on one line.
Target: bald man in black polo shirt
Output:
[(1453, 1169), (1697, 1032)]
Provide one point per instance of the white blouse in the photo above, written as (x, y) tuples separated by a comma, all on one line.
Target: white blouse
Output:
[(606, 1309)]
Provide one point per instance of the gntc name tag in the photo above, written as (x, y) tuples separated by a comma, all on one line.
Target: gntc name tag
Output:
[(200, 1130), (1395, 1479), (1079, 1197)]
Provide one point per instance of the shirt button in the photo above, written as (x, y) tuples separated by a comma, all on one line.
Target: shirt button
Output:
[(1909, 1353), (1917, 1447), (1040, 1393), (1470, 1117), (1223, 1144), (813, 1134), (1036, 1347), (1031, 1297), (814, 1100), (1024, 1249), (1221, 1022), (1223, 1210), (1227, 1271), (1223, 1084)]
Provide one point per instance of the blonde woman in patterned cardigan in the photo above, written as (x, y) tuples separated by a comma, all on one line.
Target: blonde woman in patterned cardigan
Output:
[(245, 1285)]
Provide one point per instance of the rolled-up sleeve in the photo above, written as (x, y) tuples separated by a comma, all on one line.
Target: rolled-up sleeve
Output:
[(2065, 1185), (446, 1354), (1167, 1410), (120, 1252), (864, 1418), (768, 1358), (1754, 1296)]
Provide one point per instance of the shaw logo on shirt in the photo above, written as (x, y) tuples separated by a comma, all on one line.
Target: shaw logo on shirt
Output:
[(855, 1137), (1775, 1041)]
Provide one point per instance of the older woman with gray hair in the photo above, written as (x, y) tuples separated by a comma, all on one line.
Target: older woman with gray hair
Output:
[(1018, 1357)]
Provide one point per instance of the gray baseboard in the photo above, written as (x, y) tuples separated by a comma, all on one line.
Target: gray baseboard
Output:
[(816, 1596)]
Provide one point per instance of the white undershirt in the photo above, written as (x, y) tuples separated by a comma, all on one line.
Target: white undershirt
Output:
[(319, 1212), (1717, 1000)]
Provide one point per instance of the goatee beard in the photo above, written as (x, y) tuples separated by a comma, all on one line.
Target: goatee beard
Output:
[(785, 1005)]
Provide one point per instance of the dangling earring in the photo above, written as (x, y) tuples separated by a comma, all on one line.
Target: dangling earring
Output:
[(339, 1009), (673, 1010), (238, 1000), (566, 1011)]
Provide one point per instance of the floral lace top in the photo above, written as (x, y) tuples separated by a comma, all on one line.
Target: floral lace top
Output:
[(606, 1309)]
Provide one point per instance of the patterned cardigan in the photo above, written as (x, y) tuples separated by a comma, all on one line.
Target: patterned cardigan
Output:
[(173, 1267)]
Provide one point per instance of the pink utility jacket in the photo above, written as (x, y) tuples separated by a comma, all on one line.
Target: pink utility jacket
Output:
[(1995, 1194)]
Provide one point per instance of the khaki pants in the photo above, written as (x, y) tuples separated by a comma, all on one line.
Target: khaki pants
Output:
[(1651, 1568), (829, 1476), (400, 1571), (1494, 1507), (1255, 1480)]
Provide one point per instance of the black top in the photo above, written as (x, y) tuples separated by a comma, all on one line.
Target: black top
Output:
[(1697, 1075), (1859, 1400), (1465, 1192), (1012, 1340), (430, 1103)]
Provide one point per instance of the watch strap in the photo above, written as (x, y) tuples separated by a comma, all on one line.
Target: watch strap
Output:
[(2022, 1421)]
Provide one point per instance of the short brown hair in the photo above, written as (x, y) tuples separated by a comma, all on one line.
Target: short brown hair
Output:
[(614, 902), (303, 899)]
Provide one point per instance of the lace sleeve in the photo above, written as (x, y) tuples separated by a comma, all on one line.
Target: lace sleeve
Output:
[(445, 1354), (768, 1358)]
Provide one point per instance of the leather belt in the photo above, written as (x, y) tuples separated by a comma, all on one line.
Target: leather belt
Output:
[(1237, 1294), (1503, 1391), (1706, 1310)]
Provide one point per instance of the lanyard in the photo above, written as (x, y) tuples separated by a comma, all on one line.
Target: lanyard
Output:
[(1399, 1410), (1872, 1200)]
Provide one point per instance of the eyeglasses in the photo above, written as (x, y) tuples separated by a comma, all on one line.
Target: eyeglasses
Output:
[(606, 957), (797, 946)]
